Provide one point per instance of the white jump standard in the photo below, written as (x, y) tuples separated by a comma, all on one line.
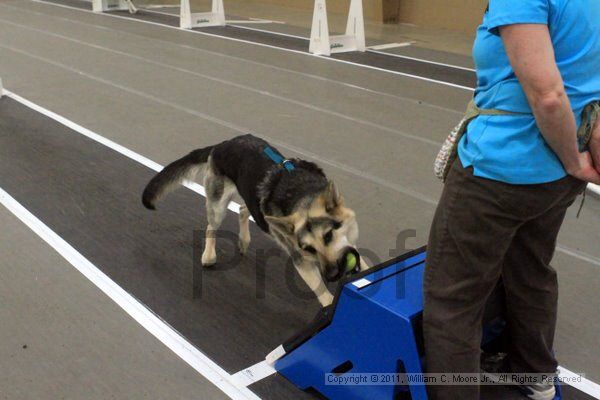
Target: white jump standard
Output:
[(189, 20), (321, 43)]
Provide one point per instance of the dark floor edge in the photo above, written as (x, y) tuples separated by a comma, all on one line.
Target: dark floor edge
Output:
[(152, 269)]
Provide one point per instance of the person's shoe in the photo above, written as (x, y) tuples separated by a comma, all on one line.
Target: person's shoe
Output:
[(493, 365), (540, 391)]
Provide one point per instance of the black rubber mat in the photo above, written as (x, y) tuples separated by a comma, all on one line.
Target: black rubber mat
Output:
[(271, 39), (427, 70), (90, 195)]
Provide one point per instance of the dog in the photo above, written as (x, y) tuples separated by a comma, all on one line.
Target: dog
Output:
[(291, 200)]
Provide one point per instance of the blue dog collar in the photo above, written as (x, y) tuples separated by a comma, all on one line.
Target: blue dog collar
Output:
[(278, 159)]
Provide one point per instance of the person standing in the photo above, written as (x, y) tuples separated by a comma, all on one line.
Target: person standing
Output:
[(507, 193)]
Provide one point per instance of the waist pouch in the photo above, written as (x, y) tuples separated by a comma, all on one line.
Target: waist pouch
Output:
[(449, 151)]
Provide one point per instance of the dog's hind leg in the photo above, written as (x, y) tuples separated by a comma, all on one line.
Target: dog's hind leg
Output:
[(219, 191), (244, 237)]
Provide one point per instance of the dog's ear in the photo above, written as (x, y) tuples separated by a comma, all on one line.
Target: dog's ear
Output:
[(333, 198), (282, 224)]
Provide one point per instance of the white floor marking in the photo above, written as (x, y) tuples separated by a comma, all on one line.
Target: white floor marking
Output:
[(588, 386), (246, 61), (435, 81), (253, 374), (248, 21), (391, 45), (577, 254), (270, 20), (158, 5), (139, 312), (312, 107)]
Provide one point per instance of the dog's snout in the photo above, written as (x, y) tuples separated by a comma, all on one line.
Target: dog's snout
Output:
[(349, 262)]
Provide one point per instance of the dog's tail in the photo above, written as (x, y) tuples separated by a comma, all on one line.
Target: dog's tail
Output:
[(173, 175)]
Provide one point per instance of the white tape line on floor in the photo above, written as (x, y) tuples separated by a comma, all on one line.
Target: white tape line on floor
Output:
[(585, 385), (150, 321), (253, 374), (388, 46)]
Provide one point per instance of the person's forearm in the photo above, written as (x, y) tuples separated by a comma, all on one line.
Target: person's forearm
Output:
[(531, 53), (556, 121), (595, 145)]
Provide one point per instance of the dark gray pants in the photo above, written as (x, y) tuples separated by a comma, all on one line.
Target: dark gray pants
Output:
[(483, 231)]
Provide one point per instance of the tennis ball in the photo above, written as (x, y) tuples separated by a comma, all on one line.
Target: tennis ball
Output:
[(351, 262)]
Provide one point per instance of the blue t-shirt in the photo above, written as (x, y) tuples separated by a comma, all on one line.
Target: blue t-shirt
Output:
[(511, 148)]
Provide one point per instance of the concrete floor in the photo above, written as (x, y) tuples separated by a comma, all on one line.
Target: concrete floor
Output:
[(61, 338), (162, 92)]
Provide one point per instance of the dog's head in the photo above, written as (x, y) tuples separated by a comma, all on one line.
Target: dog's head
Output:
[(325, 231)]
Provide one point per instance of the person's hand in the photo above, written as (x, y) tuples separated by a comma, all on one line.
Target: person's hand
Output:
[(584, 169), (595, 146)]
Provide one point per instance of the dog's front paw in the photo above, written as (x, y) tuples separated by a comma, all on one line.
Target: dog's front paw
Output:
[(209, 258), (325, 298)]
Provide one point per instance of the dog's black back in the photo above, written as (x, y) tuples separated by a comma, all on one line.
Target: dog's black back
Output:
[(266, 187)]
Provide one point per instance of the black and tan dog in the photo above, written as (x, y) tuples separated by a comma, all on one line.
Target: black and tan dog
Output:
[(291, 200)]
